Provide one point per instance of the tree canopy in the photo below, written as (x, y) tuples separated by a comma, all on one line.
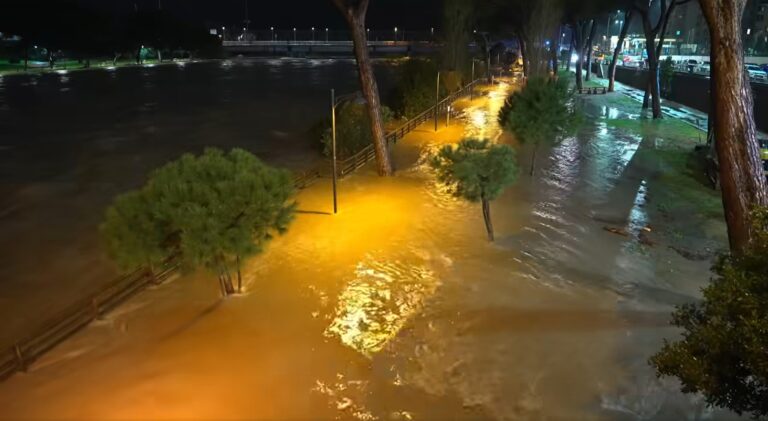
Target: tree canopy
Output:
[(210, 211), (476, 170)]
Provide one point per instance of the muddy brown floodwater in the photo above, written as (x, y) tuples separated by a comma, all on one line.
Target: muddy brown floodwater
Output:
[(398, 308)]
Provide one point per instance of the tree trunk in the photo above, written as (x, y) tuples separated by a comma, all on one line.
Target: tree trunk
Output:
[(524, 56), (227, 288), (239, 277), (138, 56), (741, 176), (533, 158), (617, 50), (26, 58), (653, 68), (487, 218), (555, 51), (588, 53), (354, 12)]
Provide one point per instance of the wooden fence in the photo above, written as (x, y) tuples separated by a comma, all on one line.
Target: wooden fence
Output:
[(75, 317), (349, 165)]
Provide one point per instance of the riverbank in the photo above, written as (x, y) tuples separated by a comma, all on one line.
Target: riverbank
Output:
[(398, 308), (39, 67)]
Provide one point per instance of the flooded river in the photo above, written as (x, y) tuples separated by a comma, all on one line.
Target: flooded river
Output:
[(398, 308)]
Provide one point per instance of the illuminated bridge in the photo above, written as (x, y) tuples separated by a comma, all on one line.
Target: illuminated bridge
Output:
[(304, 48)]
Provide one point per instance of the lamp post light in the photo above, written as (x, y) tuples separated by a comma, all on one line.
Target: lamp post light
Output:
[(472, 88), (326, 34), (437, 98), (395, 34), (272, 31), (335, 101), (432, 32), (294, 34), (313, 34)]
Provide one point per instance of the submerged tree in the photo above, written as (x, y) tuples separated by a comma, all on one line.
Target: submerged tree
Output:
[(478, 171), (543, 111), (722, 353), (134, 235), (354, 12), (212, 210), (741, 176)]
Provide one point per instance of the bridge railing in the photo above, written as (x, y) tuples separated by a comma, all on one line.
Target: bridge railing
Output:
[(290, 43)]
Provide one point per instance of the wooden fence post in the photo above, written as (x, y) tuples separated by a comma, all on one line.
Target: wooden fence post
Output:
[(20, 363)]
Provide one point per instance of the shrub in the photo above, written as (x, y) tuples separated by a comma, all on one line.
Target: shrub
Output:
[(543, 111), (477, 171), (415, 89), (353, 129), (722, 353)]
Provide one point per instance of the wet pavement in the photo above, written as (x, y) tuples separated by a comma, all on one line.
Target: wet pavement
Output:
[(398, 308)]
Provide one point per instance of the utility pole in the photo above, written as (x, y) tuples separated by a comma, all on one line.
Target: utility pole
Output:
[(247, 20), (333, 143), (437, 99), (472, 88)]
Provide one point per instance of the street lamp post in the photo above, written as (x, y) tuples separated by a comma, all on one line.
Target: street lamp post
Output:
[(272, 31), (472, 88), (335, 101), (437, 99), (326, 34), (294, 34), (313, 34), (395, 34)]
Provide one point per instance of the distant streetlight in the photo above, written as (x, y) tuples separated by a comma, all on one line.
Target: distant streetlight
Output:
[(272, 29), (294, 34), (313, 34), (432, 31), (326, 34)]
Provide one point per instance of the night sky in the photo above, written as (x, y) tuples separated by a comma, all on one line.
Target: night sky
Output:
[(407, 14)]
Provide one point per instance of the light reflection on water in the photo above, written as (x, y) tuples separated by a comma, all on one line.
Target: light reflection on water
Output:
[(375, 305)]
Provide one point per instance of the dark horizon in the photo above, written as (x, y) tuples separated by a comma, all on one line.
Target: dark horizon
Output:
[(383, 14)]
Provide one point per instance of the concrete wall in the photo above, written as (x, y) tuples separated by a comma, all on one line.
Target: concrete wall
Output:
[(693, 91)]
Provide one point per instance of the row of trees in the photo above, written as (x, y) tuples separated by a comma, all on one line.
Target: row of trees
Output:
[(83, 33), (210, 211)]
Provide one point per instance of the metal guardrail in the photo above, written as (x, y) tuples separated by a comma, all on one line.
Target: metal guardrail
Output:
[(75, 317)]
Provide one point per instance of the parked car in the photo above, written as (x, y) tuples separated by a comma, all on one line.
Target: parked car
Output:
[(756, 73), (705, 68), (632, 61), (764, 155), (691, 65), (712, 165)]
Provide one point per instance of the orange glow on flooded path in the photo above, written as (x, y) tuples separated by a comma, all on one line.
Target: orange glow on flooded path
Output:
[(397, 308)]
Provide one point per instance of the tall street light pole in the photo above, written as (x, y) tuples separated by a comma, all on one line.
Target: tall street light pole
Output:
[(294, 34), (335, 101), (313, 34), (437, 98), (326, 34), (472, 88)]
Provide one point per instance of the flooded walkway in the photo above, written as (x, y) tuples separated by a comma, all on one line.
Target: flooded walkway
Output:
[(398, 308)]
